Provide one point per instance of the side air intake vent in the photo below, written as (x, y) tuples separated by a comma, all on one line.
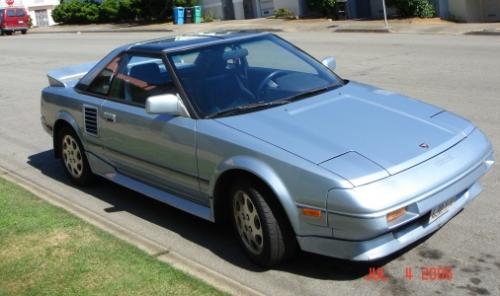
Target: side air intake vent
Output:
[(90, 120)]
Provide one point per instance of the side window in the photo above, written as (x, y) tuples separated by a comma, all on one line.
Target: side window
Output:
[(140, 77), (102, 82)]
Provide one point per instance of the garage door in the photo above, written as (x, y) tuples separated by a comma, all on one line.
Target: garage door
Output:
[(42, 18), (491, 10)]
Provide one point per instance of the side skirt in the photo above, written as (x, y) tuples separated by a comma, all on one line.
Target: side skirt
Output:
[(105, 170)]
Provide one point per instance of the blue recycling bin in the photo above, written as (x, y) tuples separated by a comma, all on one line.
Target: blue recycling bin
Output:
[(178, 15)]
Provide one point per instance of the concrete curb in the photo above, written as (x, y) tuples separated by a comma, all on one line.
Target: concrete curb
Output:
[(362, 30), (103, 31), (151, 247), (483, 33), (221, 30)]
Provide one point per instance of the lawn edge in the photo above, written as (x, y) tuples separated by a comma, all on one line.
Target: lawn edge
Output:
[(152, 248)]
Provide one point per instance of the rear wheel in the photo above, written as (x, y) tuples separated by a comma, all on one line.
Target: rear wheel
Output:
[(24, 31), (261, 230), (73, 157)]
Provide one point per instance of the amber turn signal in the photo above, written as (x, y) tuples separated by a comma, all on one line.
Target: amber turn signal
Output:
[(395, 214), (311, 212)]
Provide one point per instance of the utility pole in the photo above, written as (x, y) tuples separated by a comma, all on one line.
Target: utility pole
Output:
[(385, 15)]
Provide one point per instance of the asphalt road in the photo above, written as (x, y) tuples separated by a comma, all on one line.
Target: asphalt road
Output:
[(460, 73)]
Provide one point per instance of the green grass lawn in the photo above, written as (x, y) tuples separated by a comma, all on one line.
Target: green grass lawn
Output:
[(47, 251)]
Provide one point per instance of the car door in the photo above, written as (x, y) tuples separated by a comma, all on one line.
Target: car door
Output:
[(156, 149)]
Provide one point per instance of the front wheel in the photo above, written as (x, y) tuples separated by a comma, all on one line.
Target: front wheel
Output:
[(261, 230), (73, 158)]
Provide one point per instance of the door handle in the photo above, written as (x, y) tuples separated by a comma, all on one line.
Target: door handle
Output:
[(110, 117)]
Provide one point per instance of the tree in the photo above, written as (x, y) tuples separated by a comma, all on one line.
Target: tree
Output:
[(420, 8), (325, 7)]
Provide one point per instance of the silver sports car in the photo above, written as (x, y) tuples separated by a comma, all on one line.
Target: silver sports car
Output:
[(247, 129)]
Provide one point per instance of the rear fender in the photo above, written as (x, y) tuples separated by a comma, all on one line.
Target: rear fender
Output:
[(63, 117)]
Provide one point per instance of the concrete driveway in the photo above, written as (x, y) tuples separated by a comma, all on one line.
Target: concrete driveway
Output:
[(460, 73)]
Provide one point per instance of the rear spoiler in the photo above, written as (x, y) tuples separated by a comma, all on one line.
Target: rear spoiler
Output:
[(60, 77)]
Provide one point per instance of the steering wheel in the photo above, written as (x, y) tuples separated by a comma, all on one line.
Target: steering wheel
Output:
[(266, 80)]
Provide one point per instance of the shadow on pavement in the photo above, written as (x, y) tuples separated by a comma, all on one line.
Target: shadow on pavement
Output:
[(217, 238)]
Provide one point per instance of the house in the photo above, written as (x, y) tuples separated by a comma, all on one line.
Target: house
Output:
[(246, 9), (458, 10), (40, 11), (474, 10)]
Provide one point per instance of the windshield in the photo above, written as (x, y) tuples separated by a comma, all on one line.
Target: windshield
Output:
[(249, 74)]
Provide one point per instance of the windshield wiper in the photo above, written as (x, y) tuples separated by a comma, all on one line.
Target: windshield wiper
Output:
[(247, 108), (312, 92), (263, 105)]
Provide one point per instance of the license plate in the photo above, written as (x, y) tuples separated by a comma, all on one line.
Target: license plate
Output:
[(21, 22), (440, 210)]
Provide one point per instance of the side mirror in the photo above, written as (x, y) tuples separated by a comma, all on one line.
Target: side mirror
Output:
[(166, 104), (330, 62)]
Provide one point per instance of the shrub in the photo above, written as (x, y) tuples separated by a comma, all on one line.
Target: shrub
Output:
[(420, 8), (109, 10), (154, 10), (284, 13), (89, 11), (207, 18), (325, 7), (76, 12), (129, 9), (185, 3)]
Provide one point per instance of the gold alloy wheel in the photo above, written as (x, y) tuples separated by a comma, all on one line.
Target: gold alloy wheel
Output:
[(72, 156), (248, 222)]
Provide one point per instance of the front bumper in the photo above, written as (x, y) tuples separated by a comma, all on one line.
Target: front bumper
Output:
[(365, 235), (46, 127), (390, 242)]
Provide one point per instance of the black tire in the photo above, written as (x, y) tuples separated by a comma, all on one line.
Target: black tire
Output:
[(73, 158), (9, 32), (2, 32), (277, 242), (24, 32)]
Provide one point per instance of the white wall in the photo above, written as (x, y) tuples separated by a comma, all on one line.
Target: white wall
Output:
[(292, 5), (31, 12), (239, 12), (32, 5), (474, 10), (212, 8)]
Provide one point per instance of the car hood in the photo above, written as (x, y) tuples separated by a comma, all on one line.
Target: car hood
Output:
[(391, 131)]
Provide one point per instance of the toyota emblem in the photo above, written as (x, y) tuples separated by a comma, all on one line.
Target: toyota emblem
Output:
[(424, 145)]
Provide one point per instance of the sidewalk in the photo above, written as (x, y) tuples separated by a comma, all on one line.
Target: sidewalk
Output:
[(405, 26)]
